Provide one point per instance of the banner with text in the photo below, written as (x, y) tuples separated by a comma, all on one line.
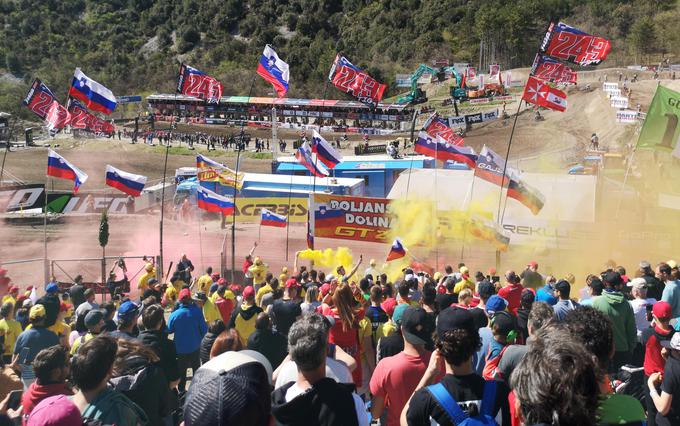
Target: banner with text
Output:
[(351, 218)]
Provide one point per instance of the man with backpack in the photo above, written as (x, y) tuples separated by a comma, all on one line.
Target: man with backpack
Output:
[(455, 399)]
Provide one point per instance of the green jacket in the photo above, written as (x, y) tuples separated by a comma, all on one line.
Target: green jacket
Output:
[(615, 306), (112, 407)]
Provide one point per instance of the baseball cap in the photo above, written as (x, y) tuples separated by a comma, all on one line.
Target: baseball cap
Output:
[(229, 387), (672, 263), (248, 292), (527, 297), (13, 288), (389, 305), (674, 343), (454, 318), (414, 325), (148, 267), (185, 293), (644, 264), (637, 283), (486, 289), (200, 295), (27, 303), (128, 310), (325, 289), (464, 270), (56, 410), (398, 313), (662, 310), (496, 304), (330, 277), (64, 307), (37, 311), (93, 318), (533, 264), (153, 282), (52, 288), (613, 278), (292, 282), (213, 288)]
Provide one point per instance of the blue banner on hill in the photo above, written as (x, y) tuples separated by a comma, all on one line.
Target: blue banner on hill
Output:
[(129, 99)]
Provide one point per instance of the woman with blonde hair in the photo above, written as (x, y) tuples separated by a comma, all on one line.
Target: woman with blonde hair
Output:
[(345, 332), (311, 300)]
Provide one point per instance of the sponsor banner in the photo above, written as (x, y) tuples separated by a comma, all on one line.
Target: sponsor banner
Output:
[(250, 209), (288, 112), (626, 116), (480, 101), (215, 120), (403, 80), (351, 218), (327, 114), (21, 197), (479, 117), (456, 121), (313, 113), (614, 92), (503, 98), (619, 102), (608, 87), (128, 99)]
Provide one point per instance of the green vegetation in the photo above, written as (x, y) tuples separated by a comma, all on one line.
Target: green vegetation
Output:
[(135, 46)]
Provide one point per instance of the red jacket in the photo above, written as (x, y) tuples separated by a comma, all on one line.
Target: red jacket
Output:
[(36, 393), (226, 307), (513, 294), (651, 338)]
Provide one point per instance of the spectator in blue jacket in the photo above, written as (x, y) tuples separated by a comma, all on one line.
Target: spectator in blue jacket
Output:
[(189, 327)]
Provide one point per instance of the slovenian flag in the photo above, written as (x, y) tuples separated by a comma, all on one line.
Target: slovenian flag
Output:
[(460, 154), (269, 218), (58, 167), (129, 183), (530, 197), (305, 157), (325, 151), (212, 202), (92, 94), (397, 251), (274, 70)]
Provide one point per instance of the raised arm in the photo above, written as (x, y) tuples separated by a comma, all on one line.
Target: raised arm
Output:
[(354, 269)]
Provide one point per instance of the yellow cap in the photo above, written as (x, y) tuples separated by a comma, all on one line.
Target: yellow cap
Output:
[(464, 270), (148, 267), (672, 263), (437, 276), (372, 262), (37, 311)]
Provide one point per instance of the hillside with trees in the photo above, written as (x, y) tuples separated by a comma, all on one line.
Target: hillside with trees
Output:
[(136, 46)]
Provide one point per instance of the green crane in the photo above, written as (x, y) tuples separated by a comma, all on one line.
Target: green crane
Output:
[(417, 95)]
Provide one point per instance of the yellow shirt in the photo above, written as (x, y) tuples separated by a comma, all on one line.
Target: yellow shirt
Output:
[(10, 299), (204, 282), (170, 295), (143, 282), (259, 273), (10, 329), (261, 292), (80, 341), (463, 284), (210, 312), (60, 328)]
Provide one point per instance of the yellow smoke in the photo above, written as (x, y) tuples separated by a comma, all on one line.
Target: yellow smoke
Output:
[(329, 258)]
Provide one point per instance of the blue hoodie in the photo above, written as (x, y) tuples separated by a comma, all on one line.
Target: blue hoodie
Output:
[(189, 327)]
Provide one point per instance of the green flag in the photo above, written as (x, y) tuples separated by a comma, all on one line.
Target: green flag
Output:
[(662, 127)]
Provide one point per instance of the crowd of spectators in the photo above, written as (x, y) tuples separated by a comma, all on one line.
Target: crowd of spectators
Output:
[(348, 347)]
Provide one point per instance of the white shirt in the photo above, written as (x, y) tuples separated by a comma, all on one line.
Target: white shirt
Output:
[(359, 406), (640, 313), (335, 370)]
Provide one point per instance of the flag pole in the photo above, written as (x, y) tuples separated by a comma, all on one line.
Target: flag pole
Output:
[(239, 143), (290, 192), (165, 170), (410, 167), (45, 261), (434, 206), (505, 168)]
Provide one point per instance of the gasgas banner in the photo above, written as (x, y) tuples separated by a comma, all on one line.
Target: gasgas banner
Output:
[(250, 209), (351, 218)]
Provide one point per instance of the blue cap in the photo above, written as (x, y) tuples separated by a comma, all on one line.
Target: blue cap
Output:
[(213, 288), (496, 304), (128, 309), (399, 312), (52, 288)]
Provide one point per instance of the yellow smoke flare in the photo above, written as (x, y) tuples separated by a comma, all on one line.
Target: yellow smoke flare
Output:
[(329, 258)]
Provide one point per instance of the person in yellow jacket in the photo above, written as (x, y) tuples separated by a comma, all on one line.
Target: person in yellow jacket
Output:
[(259, 271), (11, 297), (243, 318), (465, 281), (210, 311), (10, 329), (265, 289), (205, 281), (143, 283), (94, 321)]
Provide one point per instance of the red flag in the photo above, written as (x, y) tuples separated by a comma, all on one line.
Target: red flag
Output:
[(546, 68), (538, 92), (573, 45)]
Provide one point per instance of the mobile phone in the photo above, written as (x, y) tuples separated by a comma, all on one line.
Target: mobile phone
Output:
[(14, 399)]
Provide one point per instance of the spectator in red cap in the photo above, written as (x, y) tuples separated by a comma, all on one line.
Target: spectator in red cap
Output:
[(659, 331), (11, 297), (285, 311), (512, 291), (530, 276), (224, 302), (189, 327), (243, 318)]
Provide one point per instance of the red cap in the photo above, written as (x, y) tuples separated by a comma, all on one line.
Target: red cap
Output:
[(29, 288), (662, 310), (215, 276), (21, 298), (221, 281), (13, 288), (185, 293), (292, 282), (325, 289), (64, 307), (492, 271), (532, 264), (248, 292), (235, 288)]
